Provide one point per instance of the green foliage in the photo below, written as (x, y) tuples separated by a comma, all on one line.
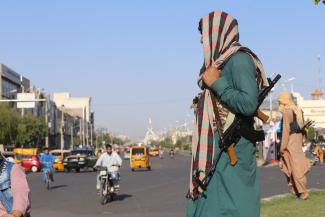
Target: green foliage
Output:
[(104, 138), (311, 133), (291, 206), (316, 2), (28, 130), (184, 143)]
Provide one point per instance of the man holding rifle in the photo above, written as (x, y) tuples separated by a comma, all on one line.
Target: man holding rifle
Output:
[(294, 163), (224, 180)]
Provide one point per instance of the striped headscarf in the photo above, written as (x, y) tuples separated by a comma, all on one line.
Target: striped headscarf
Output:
[(220, 38)]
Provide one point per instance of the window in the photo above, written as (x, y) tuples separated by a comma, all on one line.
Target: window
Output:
[(136, 151), (9, 88)]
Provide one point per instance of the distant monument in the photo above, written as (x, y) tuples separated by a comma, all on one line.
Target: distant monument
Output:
[(150, 134)]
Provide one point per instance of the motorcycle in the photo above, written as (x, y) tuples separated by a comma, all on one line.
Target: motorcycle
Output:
[(161, 154), (108, 189), (171, 154)]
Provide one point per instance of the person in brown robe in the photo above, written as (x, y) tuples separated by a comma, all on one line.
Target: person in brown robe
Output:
[(293, 163)]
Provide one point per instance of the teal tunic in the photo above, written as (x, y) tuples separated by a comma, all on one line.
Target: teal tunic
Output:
[(234, 191)]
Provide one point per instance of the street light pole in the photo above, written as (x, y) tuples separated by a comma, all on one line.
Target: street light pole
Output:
[(319, 75), (71, 145)]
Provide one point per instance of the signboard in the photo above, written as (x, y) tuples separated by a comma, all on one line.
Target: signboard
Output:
[(26, 100)]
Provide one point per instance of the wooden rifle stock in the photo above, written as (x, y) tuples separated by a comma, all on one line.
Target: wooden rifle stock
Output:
[(232, 155), (262, 116)]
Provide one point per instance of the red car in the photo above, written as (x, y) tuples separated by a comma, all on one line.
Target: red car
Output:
[(31, 163)]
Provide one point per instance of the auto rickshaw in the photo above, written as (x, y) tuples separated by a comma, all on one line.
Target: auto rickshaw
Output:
[(19, 153), (59, 156), (139, 158), (154, 152)]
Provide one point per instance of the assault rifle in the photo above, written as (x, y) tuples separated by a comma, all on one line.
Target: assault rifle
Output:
[(231, 136), (304, 129)]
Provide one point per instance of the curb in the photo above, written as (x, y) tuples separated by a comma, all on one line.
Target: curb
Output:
[(287, 194)]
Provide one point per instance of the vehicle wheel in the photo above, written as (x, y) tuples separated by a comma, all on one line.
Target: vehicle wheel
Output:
[(48, 185), (78, 170), (132, 170), (149, 168), (103, 198), (67, 170), (34, 169)]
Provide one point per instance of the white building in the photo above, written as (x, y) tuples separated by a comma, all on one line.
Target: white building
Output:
[(80, 107), (313, 109)]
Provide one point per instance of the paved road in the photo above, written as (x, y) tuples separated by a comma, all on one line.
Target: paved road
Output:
[(158, 193)]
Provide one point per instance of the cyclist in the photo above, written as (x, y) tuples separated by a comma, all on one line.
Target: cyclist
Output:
[(47, 161)]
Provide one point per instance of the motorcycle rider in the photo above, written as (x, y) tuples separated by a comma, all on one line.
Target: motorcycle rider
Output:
[(47, 161), (112, 161), (161, 152), (171, 153)]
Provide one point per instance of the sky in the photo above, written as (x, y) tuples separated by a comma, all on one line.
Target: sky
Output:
[(139, 59)]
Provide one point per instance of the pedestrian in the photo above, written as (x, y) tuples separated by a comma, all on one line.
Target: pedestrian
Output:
[(14, 190), (318, 149), (294, 163), (234, 75)]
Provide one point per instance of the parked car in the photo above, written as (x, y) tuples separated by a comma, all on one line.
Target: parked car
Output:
[(30, 163), (80, 159)]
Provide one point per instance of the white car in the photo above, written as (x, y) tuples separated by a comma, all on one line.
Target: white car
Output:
[(126, 155)]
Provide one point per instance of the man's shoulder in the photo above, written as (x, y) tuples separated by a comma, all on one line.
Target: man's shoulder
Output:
[(241, 57)]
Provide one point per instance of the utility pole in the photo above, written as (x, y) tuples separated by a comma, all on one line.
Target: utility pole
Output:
[(319, 75), (80, 131), (83, 127), (47, 124), (71, 143), (62, 127), (23, 91), (91, 135), (271, 106)]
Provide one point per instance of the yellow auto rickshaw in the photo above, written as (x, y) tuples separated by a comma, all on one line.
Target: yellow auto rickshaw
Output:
[(154, 152), (19, 153), (59, 156), (139, 158)]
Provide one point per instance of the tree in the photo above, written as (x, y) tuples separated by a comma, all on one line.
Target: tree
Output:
[(8, 124), (104, 138), (317, 2), (31, 131), (311, 133)]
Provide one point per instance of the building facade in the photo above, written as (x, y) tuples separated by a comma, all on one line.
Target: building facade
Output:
[(11, 83), (79, 107)]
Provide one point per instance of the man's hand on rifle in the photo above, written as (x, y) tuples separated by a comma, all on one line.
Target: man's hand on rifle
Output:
[(211, 75)]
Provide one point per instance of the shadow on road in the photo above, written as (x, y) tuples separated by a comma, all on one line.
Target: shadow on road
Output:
[(122, 197), (58, 186), (142, 171)]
